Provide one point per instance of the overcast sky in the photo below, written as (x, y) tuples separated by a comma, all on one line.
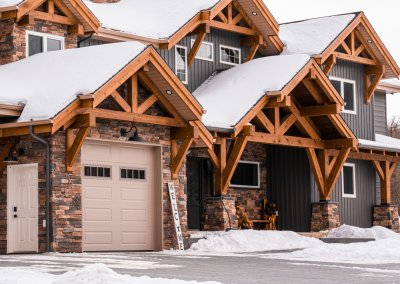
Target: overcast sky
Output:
[(383, 15)]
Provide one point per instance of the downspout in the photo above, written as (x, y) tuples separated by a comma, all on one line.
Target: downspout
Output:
[(47, 185), (84, 39)]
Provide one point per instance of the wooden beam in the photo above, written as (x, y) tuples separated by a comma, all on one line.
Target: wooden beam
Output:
[(356, 59), (232, 28), (329, 64), (27, 20), (345, 47), (213, 157), (316, 169), (264, 123), (83, 120), (290, 141), (53, 18), (379, 72), (273, 103), (334, 174), (367, 50), (220, 151), (26, 7), (222, 17), (201, 29), (72, 151), (320, 110), (251, 40), (302, 123), (195, 48), (204, 134), (24, 130), (147, 103), (368, 156), (50, 6), (287, 122), (116, 97), (76, 30), (133, 93), (237, 19), (185, 132), (385, 183), (180, 156), (359, 50), (4, 154), (252, 53), (352, 43), (229, 17), (313, 91)]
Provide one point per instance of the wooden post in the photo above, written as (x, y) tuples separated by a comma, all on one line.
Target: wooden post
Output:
[(220, 151), (385, 171), (133, 93)]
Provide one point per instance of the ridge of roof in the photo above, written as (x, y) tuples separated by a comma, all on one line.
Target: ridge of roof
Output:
[(299, 21)]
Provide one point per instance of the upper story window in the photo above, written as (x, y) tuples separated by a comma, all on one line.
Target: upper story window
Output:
[(246, 175), (229, 55), (40, 42), (347, 89), (181, 68), (206, 51), (349, 180)]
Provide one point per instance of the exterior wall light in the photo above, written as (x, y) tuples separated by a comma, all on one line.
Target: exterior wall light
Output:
[(11, 158), (369, 41), (254, 13), (169, 92), (135, 137)]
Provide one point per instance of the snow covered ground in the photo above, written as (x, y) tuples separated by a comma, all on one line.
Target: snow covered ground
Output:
[(92, 273)]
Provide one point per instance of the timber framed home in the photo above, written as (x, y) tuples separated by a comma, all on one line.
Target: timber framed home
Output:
[(105, 103)]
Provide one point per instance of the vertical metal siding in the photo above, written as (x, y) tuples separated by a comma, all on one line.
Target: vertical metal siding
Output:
[(380, 113), (289, 186), (362, 124), (91, 42), (202, 69), (354, 211)]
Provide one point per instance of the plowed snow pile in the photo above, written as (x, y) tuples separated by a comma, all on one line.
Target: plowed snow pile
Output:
[(251, 241), (377, 233)]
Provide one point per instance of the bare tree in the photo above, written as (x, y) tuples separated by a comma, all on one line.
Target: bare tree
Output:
[(393, 130)]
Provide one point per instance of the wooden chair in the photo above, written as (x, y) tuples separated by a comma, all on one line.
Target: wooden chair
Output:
[(268, 220)]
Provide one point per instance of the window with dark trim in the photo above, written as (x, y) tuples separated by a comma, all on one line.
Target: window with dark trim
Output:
[(247, 175), (97, 171), (132, 174)]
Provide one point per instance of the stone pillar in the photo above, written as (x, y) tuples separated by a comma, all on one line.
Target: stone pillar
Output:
[(387, 216), (216, 218), (325, 216)]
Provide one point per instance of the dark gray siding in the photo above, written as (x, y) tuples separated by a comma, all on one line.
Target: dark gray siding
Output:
[(362, 124), (289, 186), (380, 113), (201, 69), (92, 42), (354, 211)]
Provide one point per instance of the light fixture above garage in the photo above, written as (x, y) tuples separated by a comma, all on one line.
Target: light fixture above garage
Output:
[(169, 92), (134, 138), (254, 13), (11, 158)]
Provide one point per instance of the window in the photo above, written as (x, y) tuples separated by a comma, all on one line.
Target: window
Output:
[(133, 174), (347, 90), (349, 180), (97, 171), (206, 51), (229, 55), (38, 43), (247, 174), (181, 63)]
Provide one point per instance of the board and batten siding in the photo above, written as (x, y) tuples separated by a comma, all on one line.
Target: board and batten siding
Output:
[(380, 113), (362, 123), (289, 186), (354, 211), (201, 70)]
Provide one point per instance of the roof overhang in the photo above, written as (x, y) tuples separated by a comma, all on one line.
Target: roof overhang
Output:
[(388, 88)]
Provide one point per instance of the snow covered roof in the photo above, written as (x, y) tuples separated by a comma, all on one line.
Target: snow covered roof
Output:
[(8, 3), (229, 95), (394, 82), (382, 142), (53, 80), (313, 36), (158, 19)]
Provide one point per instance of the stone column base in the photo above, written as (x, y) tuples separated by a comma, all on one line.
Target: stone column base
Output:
[(387, 216), (325, 216), (216, 218)]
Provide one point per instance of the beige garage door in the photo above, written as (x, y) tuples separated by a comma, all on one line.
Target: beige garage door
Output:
[(117, 196)]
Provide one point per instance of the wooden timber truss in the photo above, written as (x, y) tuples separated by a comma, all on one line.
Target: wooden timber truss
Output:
[(27, 13), (227, 15)]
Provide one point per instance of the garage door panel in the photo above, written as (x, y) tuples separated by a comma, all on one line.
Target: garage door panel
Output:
[(118, 213)]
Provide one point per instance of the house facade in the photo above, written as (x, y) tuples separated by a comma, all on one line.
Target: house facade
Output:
[(221, 101)]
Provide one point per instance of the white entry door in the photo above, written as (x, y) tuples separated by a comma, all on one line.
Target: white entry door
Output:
[(117, 196), (23, 208)]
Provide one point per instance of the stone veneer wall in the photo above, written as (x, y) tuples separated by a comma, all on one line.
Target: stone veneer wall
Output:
[(387, 216), (13, 38), (325, 216), (216, 218)]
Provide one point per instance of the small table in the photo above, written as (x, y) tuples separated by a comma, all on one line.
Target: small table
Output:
[(268, 223)]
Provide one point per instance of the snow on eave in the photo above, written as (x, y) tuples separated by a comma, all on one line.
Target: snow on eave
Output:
[(383, 142)]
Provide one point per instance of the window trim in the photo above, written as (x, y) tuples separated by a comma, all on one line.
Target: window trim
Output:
[(44, 37), (96, 166), (248, 186), (231, 47), (186, 63), (132, 179), (192, 41), (342, 81), (353, 165)]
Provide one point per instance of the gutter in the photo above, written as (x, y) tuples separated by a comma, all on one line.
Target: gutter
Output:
[(47, 185)]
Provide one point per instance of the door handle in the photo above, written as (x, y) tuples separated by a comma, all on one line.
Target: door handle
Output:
[(15, 216)]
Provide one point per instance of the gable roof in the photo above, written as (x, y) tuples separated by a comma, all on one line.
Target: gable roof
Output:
[(313, 36), (229, 95), (77, 7)]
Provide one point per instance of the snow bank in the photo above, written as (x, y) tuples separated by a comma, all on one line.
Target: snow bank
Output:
[(376, 232), (229, 95), (90, 274), (312, 36), (251, 241), (148, 18), (52, 80)]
